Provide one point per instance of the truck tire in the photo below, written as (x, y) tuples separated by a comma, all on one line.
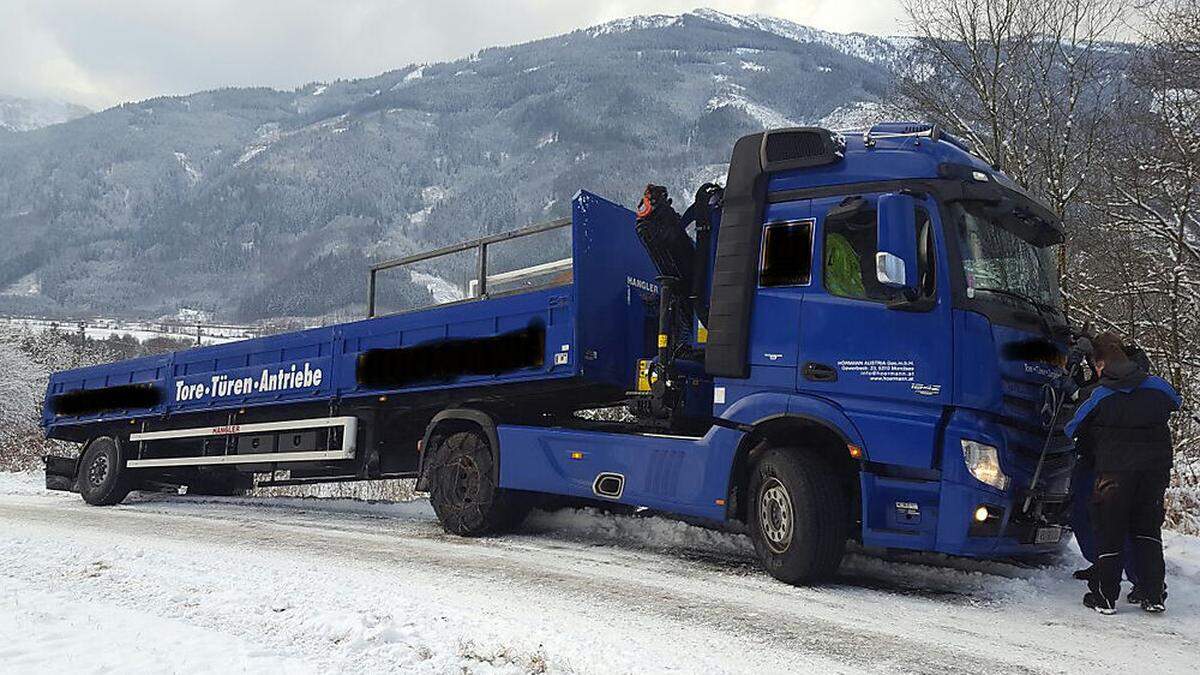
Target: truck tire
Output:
[(798, 515), (464, 494), (103, 479)]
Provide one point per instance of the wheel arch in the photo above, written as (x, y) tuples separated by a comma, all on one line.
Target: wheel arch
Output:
[(453, 420), (796, 430)]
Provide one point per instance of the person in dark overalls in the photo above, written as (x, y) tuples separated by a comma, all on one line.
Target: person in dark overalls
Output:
[(1123, 427), (1083, 479)]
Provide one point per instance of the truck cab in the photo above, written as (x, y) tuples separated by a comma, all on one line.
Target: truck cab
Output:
[(904, 298)]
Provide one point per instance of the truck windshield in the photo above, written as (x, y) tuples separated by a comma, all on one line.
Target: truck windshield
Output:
[(998, 262)]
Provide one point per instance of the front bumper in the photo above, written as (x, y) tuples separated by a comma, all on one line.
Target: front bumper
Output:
[(1014, 532), (1030, 520), (937, 514), (934, 510)]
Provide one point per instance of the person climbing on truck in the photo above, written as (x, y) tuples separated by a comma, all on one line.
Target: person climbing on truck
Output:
[(1123, 426)]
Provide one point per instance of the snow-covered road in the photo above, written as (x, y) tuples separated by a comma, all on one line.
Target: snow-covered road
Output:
[(184, 583)]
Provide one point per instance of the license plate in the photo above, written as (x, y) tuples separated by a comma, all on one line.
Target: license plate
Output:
[(1047, 535)]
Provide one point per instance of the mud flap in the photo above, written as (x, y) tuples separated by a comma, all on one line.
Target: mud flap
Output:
[(431, 459), (61, 473)]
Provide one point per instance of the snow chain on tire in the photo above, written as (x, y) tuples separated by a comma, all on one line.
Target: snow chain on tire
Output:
[(464, 494)]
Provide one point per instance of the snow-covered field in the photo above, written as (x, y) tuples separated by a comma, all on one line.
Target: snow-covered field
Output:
[(102, 328), (177, 583)]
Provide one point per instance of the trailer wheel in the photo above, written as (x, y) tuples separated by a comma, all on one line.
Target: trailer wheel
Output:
[(798, 515), (463, 493), (103, 480)]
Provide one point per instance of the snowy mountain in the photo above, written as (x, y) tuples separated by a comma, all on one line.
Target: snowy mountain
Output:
[(25, 114), (255, 202), (873, 48), (883, 50)]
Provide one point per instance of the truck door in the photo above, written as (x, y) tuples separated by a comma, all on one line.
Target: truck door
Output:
[(785, 272), (884, 360)]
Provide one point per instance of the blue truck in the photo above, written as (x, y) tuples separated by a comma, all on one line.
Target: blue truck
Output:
[(854, 338)]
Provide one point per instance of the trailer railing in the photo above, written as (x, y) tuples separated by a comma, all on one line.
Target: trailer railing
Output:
[(478, 286)]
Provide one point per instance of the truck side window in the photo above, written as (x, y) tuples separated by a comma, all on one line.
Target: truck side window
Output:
[(849, 256), (926, 255), (787, 254)]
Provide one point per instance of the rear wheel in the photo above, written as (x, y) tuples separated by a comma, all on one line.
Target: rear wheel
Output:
[(464, 493), (103, 479), (799, 515)]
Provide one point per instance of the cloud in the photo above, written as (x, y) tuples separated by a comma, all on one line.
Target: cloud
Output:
[(102, 53)]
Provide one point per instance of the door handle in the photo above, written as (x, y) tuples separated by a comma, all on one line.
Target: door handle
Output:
[(819, 372)]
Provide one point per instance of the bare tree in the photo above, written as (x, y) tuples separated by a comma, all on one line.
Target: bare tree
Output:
[(1028, 82), (961, 72), (1152, 193)]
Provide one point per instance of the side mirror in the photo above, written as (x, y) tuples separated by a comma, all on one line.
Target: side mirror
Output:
[(890, 270), (896, 233)]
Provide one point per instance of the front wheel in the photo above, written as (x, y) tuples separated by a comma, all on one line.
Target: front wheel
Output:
[(103, 479), (464, 493), (799, 515)]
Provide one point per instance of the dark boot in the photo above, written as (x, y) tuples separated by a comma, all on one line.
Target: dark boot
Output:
[(1153, 607), (1097, 602), (1137, 597)]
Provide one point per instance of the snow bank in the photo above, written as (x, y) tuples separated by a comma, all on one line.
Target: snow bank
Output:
[(25, 483), (1183, 508), (60, 633), (654, 532), (205, 612)]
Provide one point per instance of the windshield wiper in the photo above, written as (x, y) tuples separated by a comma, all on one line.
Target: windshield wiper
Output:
[(1038, 304)]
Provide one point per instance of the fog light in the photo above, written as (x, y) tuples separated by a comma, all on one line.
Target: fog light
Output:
[(981, 514)]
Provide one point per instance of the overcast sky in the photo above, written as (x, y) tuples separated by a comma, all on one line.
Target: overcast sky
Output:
[(102, 52)]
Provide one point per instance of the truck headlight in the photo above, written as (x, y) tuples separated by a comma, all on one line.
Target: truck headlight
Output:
[(983, 461)]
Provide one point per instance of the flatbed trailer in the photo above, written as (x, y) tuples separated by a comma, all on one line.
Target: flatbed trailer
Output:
[(832, 354), (216, 406)]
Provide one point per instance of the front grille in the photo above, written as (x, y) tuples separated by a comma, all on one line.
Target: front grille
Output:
[(1025, 437), (1021, 405)]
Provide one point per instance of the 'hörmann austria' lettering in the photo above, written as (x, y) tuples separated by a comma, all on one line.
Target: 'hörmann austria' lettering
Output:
[(270, 380)]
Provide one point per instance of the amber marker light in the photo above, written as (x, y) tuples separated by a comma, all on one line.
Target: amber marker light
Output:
[(855, 451)]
